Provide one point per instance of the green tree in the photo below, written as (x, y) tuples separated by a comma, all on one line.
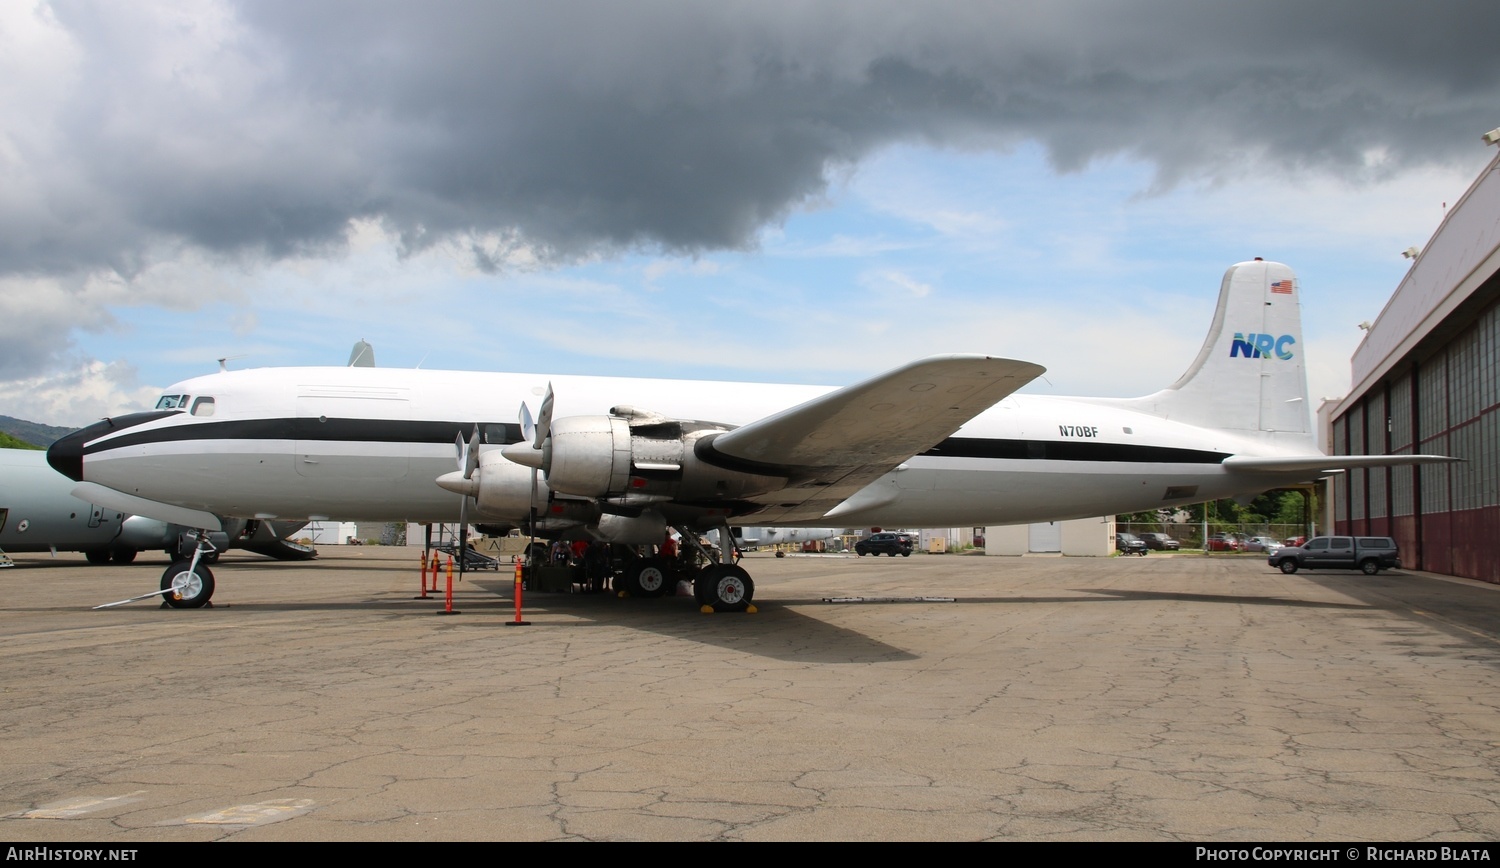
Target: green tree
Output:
[(9, 442)]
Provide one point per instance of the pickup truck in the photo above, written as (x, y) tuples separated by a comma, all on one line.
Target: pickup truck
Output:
[(1369, 554)]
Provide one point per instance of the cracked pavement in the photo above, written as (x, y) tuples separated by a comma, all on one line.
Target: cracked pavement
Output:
[(1166, 698)]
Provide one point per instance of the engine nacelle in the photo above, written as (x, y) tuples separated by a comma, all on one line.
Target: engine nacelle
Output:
[(631, 460), (504, 488), (589, 455)]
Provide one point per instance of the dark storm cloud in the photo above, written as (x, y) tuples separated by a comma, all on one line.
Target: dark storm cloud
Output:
[(581, 127)]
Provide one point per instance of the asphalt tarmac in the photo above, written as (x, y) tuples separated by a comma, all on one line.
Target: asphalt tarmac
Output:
[(1165, 698)]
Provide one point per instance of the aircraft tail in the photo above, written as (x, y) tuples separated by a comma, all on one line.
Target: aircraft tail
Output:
[(1251, 373)]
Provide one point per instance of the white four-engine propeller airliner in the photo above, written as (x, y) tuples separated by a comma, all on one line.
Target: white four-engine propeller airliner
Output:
[(940, 442)]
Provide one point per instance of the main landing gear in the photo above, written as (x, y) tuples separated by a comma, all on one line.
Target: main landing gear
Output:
[(722, 585), (647, 577), (724, 588)]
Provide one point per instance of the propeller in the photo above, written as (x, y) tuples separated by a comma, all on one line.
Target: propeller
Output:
[(537, 433), (468, 461), (535, 447)]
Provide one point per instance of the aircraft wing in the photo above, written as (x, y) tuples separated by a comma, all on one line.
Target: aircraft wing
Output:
[(836, 444)]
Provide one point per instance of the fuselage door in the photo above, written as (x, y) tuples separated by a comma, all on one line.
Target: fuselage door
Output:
[(355, 434)]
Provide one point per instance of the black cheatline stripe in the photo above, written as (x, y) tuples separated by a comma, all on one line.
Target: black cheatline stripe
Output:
[(409, 431), (1012, 450), (1058, 450), (349, 430)]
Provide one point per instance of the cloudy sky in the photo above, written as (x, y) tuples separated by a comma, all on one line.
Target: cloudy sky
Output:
[(773, 191)]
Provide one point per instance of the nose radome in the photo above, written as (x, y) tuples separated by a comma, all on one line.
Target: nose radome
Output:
[(66, 454)]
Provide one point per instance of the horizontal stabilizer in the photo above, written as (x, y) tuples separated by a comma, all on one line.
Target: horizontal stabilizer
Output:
[(1330, 463)]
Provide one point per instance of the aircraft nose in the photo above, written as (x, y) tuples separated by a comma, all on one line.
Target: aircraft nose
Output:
[(66, 454)]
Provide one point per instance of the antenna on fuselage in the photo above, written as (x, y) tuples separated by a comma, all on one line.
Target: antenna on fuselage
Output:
[(223, 362)]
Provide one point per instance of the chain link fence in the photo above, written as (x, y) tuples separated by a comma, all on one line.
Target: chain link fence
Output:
[(1190, 536)]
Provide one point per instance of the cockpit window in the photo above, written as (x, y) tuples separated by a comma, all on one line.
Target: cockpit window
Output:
[(172, 402), (203, 407)]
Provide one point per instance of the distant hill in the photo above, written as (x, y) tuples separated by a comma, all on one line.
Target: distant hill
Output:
[(30, 435)]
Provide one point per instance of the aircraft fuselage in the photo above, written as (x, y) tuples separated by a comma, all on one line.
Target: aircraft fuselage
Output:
[(367, 444)]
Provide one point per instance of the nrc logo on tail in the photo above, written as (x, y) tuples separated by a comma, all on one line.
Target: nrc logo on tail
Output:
[(1255, 346)]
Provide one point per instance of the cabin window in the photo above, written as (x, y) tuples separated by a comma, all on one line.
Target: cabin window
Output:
[(172, 402), (203, 407)]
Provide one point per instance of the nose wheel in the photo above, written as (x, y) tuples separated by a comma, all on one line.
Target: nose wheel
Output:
[(186, 586)]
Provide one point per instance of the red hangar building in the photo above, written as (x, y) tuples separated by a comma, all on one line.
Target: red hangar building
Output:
[(1427, 378)]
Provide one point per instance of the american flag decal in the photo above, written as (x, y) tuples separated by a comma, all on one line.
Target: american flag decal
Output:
[(1284, 287)]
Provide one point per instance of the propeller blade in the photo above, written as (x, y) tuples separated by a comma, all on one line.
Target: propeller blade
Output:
[(528, 427), (463, 530), (471, 455), (544, 420), (461, 450)]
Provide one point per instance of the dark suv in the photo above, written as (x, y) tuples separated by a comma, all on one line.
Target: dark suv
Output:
[(1160, 542), (884, 544), (1369, 554)]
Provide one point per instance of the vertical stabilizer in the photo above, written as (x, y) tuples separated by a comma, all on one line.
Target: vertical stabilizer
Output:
[(1251, 373)]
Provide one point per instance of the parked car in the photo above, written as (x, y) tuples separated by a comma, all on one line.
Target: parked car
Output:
[(1160, 542), (1369, 554), (1261, 544), (885, 544), (1130, 544), (1224, 542)]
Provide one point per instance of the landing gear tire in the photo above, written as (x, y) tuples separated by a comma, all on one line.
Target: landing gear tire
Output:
[(187, 588), (1288, 567), (648, 577), (123, 556), (724, 588), (97, 556)]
